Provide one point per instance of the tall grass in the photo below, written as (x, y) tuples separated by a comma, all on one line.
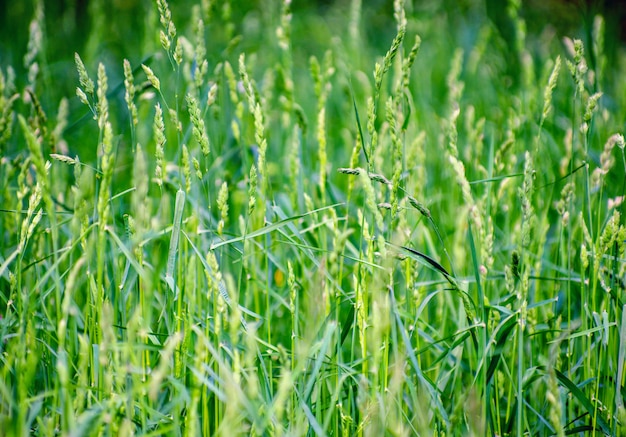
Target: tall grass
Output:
[(266, 223)]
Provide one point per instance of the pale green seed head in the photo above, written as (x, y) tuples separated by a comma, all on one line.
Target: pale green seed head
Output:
[(154, 81), (85, 82)]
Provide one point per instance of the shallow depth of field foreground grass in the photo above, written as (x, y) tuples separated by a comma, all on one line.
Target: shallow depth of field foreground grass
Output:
[(358, 221)]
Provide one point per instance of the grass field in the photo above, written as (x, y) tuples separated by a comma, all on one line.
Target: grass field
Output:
[(360, 219)]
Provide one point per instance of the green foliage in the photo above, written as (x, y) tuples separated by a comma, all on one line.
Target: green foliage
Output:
[(249, 218)]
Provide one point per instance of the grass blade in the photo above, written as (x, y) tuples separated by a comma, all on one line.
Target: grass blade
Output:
[(432, 391), (171, 253), (578, 394)]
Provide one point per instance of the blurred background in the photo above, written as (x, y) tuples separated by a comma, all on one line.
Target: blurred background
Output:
[(109, 31), (72, 24)]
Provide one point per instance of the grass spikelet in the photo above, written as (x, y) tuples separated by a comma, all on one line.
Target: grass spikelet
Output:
[(83, 77), (371, 131), (7, 115), (350, 171), (409, 61), (62, 158), (254, 106), (102, 107), (606, 157), (598, 46), (222, 206), (152, 78), (399, 14), (461, 179), (370, 200), (87, 87), (199, 129), (321, 151), (212, 95), (419, 206), (41, 169), (525, 193), (396, 154), (159, 138), (168, 32), (283, 31), (39, 121), (354, 23), (547, 93), (578, 68), (451, 131), (201, 64), (82, 190), (231, 79), (590, 108), (314, 66), (196, 168), (259, 136), (174, 119), (528, 218), (252, 184), (35, 43), (247, 83), (455, 85), (178, 52), (106, 168), (129, 95), (82, 97), (186, 169), (608, 237), (30, 221), (567, 197), (380, 69)]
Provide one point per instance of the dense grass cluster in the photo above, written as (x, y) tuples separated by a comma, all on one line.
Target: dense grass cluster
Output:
[(263, 223)]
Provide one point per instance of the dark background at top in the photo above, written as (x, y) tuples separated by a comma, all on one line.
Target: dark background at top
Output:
[(68, 21), (69, 28)]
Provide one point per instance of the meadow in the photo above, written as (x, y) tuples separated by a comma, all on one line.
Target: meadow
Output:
[(333, 219)]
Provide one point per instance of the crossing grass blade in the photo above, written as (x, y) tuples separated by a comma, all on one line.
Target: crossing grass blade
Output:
[(427, 261), (357, 119)]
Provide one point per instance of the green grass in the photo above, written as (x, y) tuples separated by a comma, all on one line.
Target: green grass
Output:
[(360, 221)]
